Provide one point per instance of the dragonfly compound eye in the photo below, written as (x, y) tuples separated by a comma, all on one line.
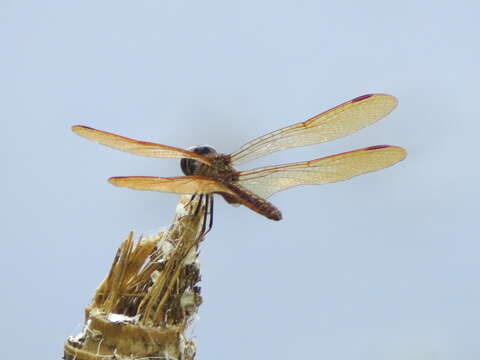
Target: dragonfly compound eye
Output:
[(191, 166)]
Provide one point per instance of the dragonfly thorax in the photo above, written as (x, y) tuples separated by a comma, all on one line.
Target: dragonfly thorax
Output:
[(220, 170)]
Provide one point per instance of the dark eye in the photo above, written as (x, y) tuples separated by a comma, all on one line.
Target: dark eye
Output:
[(202, 150), (190, 166)]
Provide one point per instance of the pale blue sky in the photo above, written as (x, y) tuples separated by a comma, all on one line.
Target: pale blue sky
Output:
[(384, 266)]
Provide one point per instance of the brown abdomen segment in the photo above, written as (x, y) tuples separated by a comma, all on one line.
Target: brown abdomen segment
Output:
[(255, 202)]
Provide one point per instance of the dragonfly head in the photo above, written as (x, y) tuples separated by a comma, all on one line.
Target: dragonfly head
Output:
[(191, 166)]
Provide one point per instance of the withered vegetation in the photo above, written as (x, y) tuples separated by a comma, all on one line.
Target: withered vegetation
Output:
[(144, 305)]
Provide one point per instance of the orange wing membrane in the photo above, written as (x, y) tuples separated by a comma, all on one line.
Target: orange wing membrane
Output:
[(178, 185), (268, 180), (136, 147), (332, 124)]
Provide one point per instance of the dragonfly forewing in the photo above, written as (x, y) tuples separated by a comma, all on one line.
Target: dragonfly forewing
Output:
[(136, 147), (337, 122), (178, 185)]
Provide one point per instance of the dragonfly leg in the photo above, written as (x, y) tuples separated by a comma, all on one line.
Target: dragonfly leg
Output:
[(191, 199), (205, 200), (210, 225), (208, 215), (199, 205)]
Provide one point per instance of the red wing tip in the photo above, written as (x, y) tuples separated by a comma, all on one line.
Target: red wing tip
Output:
[(362, 97), (375, 147), (393, 147)]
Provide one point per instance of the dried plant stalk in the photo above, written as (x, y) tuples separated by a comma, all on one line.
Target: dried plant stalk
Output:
[(149, 297)]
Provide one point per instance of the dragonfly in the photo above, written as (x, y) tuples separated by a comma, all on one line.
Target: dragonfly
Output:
[(208, 172)]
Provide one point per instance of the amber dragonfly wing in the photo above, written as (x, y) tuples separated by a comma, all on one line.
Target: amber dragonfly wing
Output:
[(267, 181), (179, 185), (136, 147), (332, 124)]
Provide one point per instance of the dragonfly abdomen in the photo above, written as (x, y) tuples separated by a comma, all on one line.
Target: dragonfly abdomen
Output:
[(255, 202)]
